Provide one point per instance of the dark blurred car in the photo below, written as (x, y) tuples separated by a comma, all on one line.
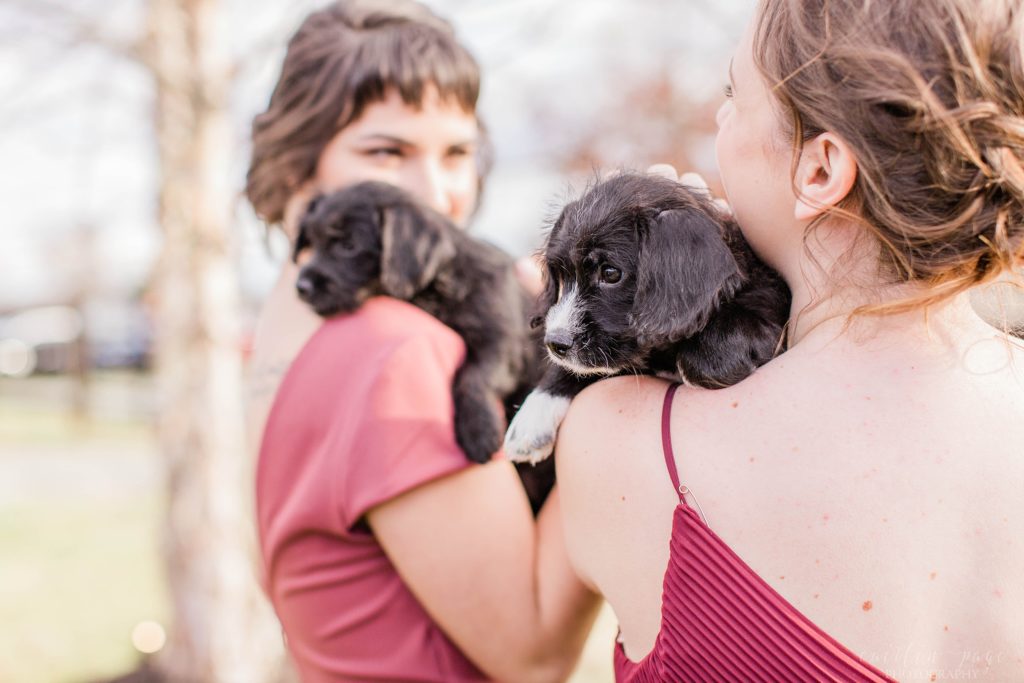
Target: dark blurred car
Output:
[(57, 339)]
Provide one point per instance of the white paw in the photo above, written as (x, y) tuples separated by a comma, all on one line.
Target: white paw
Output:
[(531, 436)]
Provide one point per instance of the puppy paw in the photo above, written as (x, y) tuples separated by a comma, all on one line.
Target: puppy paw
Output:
[(477, 430), (531, 436)]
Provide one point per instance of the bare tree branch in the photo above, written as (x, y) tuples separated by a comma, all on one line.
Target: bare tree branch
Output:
[(256, 52), (27, 100), (75, 28)]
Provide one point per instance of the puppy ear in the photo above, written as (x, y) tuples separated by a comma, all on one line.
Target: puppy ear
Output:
[(547, 298), (415, 244), (302, 238), (549, 294), (684, 270)]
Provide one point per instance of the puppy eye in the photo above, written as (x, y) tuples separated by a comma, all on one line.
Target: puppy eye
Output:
[(343, 245), (610, 275)]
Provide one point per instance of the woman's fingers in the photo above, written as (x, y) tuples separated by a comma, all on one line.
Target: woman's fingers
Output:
[(694, 181), (665, 171), (723, 205)]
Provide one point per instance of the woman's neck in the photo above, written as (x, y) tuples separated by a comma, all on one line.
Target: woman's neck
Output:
[(837, 272)]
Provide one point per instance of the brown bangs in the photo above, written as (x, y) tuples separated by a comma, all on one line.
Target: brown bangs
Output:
[(343, 58)]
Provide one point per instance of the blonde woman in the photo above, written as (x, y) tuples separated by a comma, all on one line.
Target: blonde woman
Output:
[(852, 511)]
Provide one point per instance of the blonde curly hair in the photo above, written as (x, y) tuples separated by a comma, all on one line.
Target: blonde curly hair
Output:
[(929, 94)]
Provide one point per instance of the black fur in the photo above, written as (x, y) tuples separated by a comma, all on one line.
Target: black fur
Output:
[(663, 283), (374, 239)]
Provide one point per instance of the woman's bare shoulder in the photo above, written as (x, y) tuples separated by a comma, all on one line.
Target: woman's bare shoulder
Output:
[(610, 444), (617, 493), (620, 410), (607, 416)]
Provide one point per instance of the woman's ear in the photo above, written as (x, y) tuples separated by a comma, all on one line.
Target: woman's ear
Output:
[(824, 176), (297, 207), (306, 224)]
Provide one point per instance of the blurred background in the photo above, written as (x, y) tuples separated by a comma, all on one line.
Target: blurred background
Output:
[(125, 539)]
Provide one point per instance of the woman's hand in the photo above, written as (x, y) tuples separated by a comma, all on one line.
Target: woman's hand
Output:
[(692, 180), (528, 272)]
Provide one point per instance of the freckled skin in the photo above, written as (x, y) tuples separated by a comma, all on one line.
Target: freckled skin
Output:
[(817, 396)]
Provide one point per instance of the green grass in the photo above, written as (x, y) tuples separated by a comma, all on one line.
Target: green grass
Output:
[(25, 424), (76, 578), (77, 572), (74, 581), (39, 411)]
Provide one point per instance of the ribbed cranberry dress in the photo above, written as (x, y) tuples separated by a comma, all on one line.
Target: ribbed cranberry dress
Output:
[(720, 621)]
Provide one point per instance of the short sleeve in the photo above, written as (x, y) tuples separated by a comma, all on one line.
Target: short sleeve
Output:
[(405, 436)]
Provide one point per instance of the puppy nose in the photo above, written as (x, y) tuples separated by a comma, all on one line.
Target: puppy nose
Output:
[(559, 343), (304, 286)]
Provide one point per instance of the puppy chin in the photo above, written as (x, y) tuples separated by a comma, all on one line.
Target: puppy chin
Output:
[(574, 366), (328, 303), (326, 307)]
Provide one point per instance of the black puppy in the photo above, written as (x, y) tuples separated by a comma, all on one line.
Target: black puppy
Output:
[(646, 277), (372, 239)]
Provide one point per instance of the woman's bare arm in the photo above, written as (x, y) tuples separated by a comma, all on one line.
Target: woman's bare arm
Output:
[(497, 582)]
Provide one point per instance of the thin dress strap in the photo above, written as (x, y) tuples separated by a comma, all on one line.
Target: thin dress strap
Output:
[(666, 439)]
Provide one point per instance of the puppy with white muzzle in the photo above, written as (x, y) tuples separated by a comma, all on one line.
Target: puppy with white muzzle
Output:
[(646, 276)]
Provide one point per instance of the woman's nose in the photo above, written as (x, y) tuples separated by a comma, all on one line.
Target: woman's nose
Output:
[(430, 185), (720, 114)]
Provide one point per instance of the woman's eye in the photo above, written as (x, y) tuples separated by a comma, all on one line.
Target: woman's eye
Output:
[(384, 152), (459, 157), (728, 90), (610, 275)]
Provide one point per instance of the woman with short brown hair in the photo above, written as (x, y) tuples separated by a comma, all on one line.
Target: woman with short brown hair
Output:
[(386, 554)]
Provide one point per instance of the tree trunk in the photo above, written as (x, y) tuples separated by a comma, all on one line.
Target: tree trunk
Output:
[(222, 629)]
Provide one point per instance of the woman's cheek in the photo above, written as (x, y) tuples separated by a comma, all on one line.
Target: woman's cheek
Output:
[(723, 162), (464, 196), (721, 114), (461, 208)]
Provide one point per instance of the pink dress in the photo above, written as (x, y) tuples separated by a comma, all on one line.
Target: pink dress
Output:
[(720, 621), (363, 414)]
